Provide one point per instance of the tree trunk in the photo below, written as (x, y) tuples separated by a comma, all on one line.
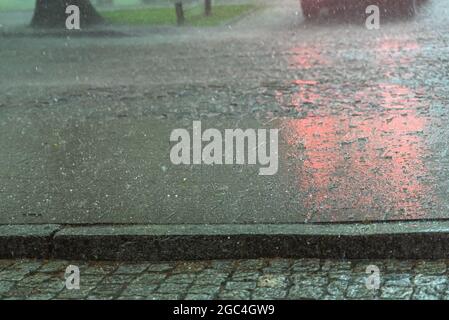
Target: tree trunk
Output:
[(51, 13), (207, 7), (179, 13)]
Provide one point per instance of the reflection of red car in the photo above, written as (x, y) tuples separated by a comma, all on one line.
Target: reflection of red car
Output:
[(311, 8)]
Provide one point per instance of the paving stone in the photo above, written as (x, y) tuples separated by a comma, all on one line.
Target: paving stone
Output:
[(240, 285), (131, 297), (431, 267), (150, 278), (55, 266), (222, 265), (188, 267), (118, 279), (211, 272), (245, 276), (397, 280), (35, 279), (337, 288), (249, 265), (42, 296), (360, 279), (133, 268), (100, 297), (278, 266), (12, 275), (306, 292), (272, 281), (399, 266), (160, 267), (17, 291), (360, 291), (55, 284), (339, 276), (440, 281), (164, 296), (270, 270), (336, 266), (235, 295), (181, 278), (137, 289), (26, 266), (96, 269), (269, 293), (310, 279), (52, 285), (6, 298), (5, 286), (89, 280), (332, 297), (211, 278), (399, 293), (306, 265), (173, 287), (81, 293), (107, 290), (427, 293), (202, 296), (204, 289)]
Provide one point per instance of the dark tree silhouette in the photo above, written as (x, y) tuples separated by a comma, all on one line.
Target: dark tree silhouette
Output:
[(51, 13), (207, 7)]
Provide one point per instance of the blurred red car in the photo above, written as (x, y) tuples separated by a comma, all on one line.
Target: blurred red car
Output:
[(311, 8)]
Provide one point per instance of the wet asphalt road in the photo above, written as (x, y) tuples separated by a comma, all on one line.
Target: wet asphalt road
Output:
[(85, 122)]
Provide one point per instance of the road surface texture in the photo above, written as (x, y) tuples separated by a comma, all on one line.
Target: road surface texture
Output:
[(85, 121), (226, 279), (84, 138)]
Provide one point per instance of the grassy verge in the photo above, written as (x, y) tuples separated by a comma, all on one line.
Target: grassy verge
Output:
[(166, 16), (13, 5), (146, 15)]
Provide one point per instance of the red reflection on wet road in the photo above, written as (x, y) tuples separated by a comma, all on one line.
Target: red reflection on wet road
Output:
[(306, 57), (391, 45), (366, 158)]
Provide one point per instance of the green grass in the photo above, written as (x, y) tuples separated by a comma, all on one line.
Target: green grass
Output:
[(166, 16), (16, 5), (151, 15)]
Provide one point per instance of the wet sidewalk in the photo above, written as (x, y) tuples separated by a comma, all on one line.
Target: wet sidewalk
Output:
[(367, 166)]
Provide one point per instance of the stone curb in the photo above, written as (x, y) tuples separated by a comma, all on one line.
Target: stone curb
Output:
[(401, 240), (27, 241)]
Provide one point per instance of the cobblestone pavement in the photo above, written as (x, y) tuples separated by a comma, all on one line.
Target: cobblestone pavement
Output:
[(237, 279)]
